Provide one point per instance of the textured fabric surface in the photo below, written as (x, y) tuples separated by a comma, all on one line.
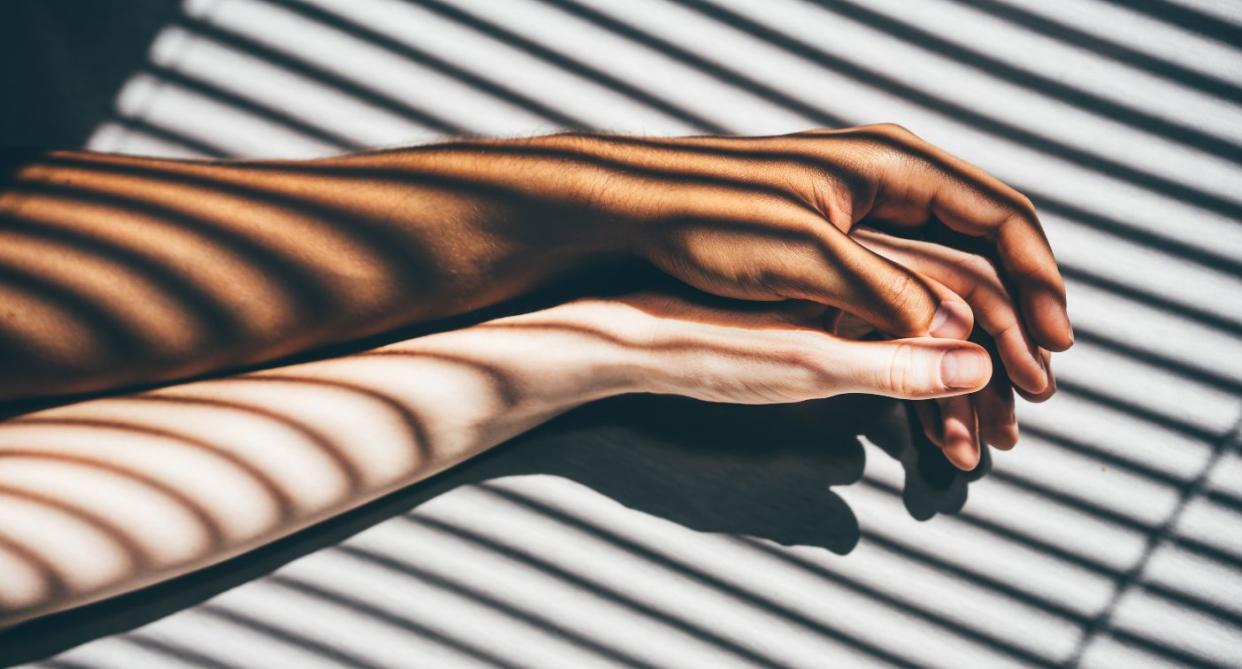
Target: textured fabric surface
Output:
[(654, 532)]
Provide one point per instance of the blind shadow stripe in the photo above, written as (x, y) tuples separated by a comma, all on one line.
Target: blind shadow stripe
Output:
[(285, 635), (1047, 87), (962, 114), (1115, 51), (373, 612), (525, 616), (568, 64), (599, 590), (429, 60)]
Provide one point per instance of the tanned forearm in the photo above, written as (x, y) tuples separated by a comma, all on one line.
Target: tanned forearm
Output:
[(118, 270)]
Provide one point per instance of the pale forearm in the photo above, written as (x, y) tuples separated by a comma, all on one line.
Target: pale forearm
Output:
[(104, 496)]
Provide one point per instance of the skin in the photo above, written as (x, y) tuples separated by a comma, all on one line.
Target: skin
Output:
[(121, 271), (104, 496)]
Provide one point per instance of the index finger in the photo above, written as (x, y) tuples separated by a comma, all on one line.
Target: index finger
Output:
[(973, 202)]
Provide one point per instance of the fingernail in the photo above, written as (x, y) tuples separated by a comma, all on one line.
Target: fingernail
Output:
[(952, 320), (963, 369)]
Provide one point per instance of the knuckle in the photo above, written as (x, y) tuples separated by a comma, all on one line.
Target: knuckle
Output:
[(903, 296), (1024, 205), (979, 268), (896, 129), (897, 378)]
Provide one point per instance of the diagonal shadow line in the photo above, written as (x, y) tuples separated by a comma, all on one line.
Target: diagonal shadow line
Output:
[(1181, 656), (1119, 518), (890, 601), (404, 623), (300, 66), (1084, 562), (111, 330), (1194, 372), (569, 64), (1205, 550), (211, 528), (1226, 499), (505, 388), (1102, 624), (175, 652), (1186, 18), (600, 591), (285, 635), (1188, 312), (1137, 411), (429, 60), (344, 466), (284, 504), (1188, 601), (1071, 95), (375, 237), (212, 317), (676, 566), (1165, 243), (52, 580), (707, 66), (136, 557), (1105, 457), (253, 107), (304, 292), (183, 141), (414, 425), (974, 576), (981, 637), (1116, 51), (1076, 503), (964, 115), (524, 616)]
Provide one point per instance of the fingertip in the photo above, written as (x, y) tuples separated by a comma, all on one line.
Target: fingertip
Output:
[(1048, 319), (1003, 437), (962, 454), (1050, 386), (953, 320), (965, 368), (959, 433)]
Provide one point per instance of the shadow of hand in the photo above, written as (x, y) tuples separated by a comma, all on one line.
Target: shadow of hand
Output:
[(764, 471)]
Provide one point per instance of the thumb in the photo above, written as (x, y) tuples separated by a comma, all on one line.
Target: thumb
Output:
[(912, 369)]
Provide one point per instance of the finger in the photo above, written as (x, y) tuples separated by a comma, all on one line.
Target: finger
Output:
[(1052, 382), (994, 409), (959, 432), (849, 326), (973, 202), (929, 417), (895, 299), (976, 280), (918, 368), (764, 249)]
